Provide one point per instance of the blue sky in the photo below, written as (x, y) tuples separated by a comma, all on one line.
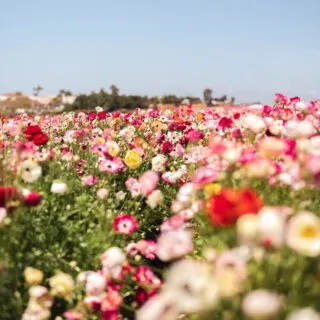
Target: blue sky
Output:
[(246, 48)]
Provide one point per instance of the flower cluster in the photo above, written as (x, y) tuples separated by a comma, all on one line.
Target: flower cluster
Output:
[(162, 214)]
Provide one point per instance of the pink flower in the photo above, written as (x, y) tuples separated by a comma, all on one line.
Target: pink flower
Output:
[(148, 182), (145, 277), (195, 135), (133, 186), (89, 180), (204, 175), (125, 224), (32, 199), (174, 223), (147, 248), (112, 166), (174, 244)]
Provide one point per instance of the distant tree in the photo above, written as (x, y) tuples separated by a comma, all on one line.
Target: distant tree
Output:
[(207, 96), (37, 89), (171, 99), (114, 90)]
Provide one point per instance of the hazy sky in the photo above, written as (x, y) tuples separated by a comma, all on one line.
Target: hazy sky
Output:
[(246, 48)]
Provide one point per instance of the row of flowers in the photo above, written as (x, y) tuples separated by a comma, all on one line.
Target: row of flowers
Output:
[(210, 214)]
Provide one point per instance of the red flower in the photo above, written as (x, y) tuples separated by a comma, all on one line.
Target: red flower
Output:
[(145, 277), (225, 123), (32, 199), (167, 147), (102, 115), (226, 207), (92, 116), (125, 224), (31, 130), (40, 139), (142, 296), (7, 194)]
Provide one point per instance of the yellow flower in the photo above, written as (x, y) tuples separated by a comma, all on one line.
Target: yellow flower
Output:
[(62, 285), (200, 116), (33, 276), (133, 159), (113, 148), (212, 189), (99, 140)]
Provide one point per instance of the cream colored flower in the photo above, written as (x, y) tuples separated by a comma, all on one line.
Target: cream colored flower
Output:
[(261, 304), (304, 314), (59, 187), (62, 285), (247, 229), (30, 171), (303, 234), (271, 227), (193, 285), (155, 198), (33, 276)]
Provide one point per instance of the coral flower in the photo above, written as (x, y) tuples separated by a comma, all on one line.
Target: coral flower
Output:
[(227, 206)]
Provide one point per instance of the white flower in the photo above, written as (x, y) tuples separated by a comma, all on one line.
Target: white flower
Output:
[(193, 285), (271, 227), (155, 198), (30, 171), (120, 195), (299, 129), (158, 163), (304, 314), (3, 214), (231, 273), (98, 109), (303, 234), (174, 244), (59, 187), (162, 306), (254, 123), (261, 304), (112, 260), (96, 283), (186, 194)]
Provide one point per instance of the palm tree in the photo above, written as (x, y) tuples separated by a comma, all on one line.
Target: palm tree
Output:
[(36, 90)]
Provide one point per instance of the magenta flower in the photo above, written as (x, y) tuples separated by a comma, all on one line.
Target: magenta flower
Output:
[(125, 224)]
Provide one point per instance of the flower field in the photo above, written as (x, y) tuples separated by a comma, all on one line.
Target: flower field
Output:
[(162, 214)]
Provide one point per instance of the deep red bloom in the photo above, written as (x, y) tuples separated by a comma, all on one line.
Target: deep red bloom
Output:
[(7, 194), (92, 116), (236, 116), (32, 199), (142, 296), (226, 207), (102, 115), (31, 131), (167, 147), (225, 123), (40, 139)]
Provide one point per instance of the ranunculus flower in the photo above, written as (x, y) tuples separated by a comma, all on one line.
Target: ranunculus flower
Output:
[(62, 285), (40, 139), (7, 194), (167, 147), (59, 187), (148, 182), (226, 207), (33, 276), (30, 171), (32, 199), (303, 234), (133, 159), (125, 224), (89, 180), (261, 305)]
